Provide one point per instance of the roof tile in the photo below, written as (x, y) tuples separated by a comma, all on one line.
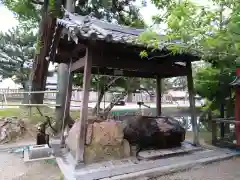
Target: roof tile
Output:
[(87, 26)]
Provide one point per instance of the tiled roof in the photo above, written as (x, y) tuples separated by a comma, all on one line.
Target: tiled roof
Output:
[(87, 27), (91, 28)]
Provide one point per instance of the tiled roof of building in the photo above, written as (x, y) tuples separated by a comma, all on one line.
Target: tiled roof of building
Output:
[(91, 28)]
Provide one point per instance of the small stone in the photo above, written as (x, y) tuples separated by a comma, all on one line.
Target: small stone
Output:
[(11, 128)]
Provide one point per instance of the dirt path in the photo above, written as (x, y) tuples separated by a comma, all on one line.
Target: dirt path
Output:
[(12, 167), (225, 170)]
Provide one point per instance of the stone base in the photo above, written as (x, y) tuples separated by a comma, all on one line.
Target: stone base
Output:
[(104, 141), (38, 152), (131, 168), (96, 153)]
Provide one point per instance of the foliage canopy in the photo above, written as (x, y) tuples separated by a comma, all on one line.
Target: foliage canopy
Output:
[(16, 54), (211, 33)]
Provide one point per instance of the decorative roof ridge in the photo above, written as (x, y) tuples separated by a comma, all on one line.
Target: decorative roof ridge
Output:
[(88, 21), (93, 20)]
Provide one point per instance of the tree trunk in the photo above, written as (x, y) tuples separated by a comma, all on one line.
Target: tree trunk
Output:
[(129, 96), (99, 100), (26, 96), (40, 65), (101, 94), (112, 104)]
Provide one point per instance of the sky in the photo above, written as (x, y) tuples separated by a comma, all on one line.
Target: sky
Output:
[(7, 19)]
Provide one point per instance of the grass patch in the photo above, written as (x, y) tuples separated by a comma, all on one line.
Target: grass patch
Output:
[(9, 112), (203, 135), (32, 114)]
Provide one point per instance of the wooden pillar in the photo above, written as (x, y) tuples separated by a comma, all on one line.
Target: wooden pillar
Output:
[(64, 78), (237, 110), (84, 107), (192, 103), (64, 94), (222, 124), (214, 128), (159, 96)]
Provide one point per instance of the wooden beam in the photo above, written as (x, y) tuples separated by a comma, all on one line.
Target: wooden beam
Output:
[(33, 105), (159, 96), (156, 67), (79, 64), (128, 50), (67, 50), (126, 73), (132, 67), (84, 108), (192, 104), (224, 119)]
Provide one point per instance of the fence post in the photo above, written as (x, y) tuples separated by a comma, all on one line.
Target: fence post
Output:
[(214, 128), (29, 101)]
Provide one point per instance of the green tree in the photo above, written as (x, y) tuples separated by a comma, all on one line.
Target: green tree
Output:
[(16, 54), (29, 12), (205, 32), (102, 84)]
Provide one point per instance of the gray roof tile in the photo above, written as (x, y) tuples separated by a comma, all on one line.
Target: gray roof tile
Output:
[(90, 27), (87, 27)]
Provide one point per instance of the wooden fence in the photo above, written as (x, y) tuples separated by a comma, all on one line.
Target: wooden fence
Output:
[(15, 94)]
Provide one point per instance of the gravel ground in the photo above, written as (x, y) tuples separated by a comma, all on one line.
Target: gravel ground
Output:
[(225, 170), (12, 167)]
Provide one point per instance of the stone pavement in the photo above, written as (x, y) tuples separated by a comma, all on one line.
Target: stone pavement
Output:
[(12, 167), (225, 170)]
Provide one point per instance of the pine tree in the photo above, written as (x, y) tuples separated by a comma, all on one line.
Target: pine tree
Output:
[(16, 54)]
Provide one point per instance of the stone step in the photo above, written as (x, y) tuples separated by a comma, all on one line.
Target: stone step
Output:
[(111, 169), (163, 153)]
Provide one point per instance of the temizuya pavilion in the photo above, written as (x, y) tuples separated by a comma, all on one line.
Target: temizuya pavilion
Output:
[(92, 46)]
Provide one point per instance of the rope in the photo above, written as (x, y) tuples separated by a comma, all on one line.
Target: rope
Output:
[(104, 96), (65, 105), (98, 89)]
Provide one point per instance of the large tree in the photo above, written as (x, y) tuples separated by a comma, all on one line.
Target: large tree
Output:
[(214, 35), (17, 54), (44, 13), (29, 12)]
